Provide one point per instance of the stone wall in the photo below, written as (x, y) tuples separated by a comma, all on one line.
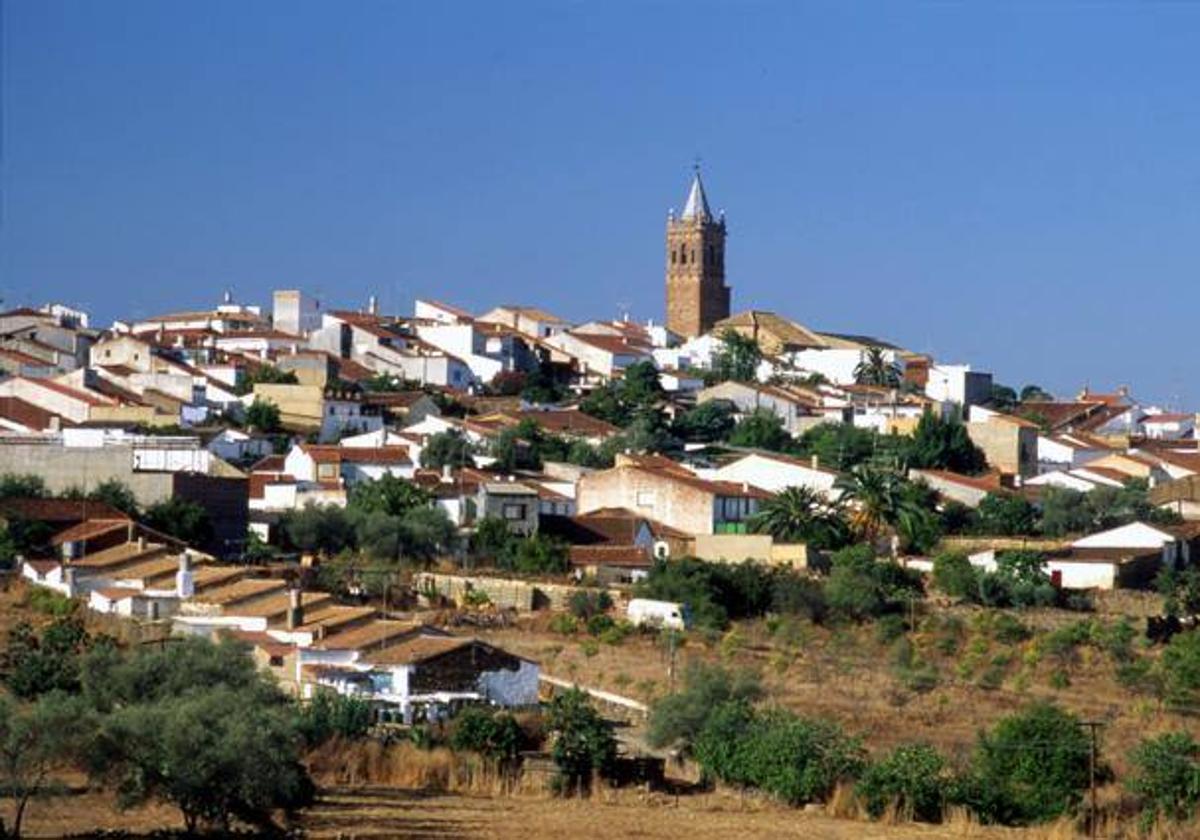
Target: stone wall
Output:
[(504, 593)]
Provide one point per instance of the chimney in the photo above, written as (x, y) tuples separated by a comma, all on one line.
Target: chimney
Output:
[(373, 305), (185, 584), (141, 544), (447, 474), (815, 461), (295, 613), (68, 574)]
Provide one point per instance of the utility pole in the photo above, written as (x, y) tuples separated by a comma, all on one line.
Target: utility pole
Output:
[(1093, 726)]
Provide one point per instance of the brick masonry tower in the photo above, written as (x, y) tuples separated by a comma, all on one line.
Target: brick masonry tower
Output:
[(697, 296)]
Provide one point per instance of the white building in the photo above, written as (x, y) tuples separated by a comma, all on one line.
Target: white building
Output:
[(958, 384), (773, 472)]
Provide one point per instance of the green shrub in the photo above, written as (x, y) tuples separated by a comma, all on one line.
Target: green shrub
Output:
[(1031, 767), (328, 714), (679, 717), (889, 628), (795, 759), (1165, 776), (1008, 630), (582, 740), (913, 778), (860, 587), (49, 602), (1179, 666), (495, 735), (599, 624), (954, 575), (586, 603), (565, 624), (617, 633), (991, 679), (921, 678)]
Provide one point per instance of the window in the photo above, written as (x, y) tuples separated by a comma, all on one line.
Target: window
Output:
[(673, 256), (513, 512), (326, 472), (645, 498)]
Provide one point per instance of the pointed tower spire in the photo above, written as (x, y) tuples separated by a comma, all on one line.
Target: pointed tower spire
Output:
[(696, 206)]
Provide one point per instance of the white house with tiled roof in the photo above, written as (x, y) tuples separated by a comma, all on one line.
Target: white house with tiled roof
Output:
[(774, 472)]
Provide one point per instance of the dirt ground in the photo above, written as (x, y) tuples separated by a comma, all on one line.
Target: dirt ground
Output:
[(369, 812)]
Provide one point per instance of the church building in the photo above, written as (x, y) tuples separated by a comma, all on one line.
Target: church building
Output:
[(697, 297)]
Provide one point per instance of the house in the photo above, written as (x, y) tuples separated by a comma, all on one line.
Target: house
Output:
[(387, 346), (294, 312), (427, 676), (236, 445), (1081, 480), (965, 489), (1105, 415), (774, 334), (676, 380), (1068, 450), (433, 310), (331, 412), (619, 527), (564, 422), (513, 502), (958, 384), (403, 408), (1009, 443), (838, 360), (774, 472), (796, 411), (601, 354), (616, 546), (1127, 557), (1132, 466), (1169, 426), (889, 410), (226, 317), (18, 415), (346, 465), (18, 363), (70, 403), (660, 489), (611, 563), (526, 319)]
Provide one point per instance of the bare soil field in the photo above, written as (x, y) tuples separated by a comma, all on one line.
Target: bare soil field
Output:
[(374, 812), (850, 674)]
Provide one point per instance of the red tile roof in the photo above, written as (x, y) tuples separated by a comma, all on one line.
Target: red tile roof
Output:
[(628, 556), (358, 454), (271, 463), (73, 393), (59, 510), (26, 414), (89, 530)]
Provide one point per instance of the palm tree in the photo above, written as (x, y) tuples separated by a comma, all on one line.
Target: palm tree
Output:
[(873, 496), (875, 369), (801, 514), (882, 500)]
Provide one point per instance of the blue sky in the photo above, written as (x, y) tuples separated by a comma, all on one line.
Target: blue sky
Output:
[(1014, 185)]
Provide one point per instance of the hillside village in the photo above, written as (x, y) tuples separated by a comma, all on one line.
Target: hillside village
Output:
[(379, 505)]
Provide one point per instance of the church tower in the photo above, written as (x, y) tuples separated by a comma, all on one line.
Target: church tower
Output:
[(697, 296)]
